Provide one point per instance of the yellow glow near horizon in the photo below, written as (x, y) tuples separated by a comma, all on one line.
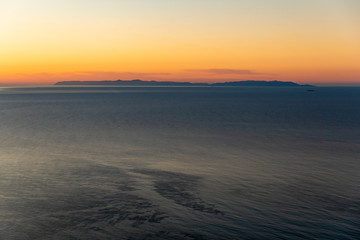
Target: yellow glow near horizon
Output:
[(304, 41)]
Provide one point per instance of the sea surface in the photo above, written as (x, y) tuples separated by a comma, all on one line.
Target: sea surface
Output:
[(179, 163)]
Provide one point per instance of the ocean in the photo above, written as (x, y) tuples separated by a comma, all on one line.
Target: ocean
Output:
[(179, 163)]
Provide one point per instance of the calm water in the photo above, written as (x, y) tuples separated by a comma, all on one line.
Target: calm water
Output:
[(179, 163)]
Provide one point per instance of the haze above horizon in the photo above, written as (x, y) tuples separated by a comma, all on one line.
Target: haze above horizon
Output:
[(308, 41)]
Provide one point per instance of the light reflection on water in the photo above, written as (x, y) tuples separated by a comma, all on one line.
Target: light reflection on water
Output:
[(179, 163)]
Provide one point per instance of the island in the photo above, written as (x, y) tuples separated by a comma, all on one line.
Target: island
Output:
[(138, 82)]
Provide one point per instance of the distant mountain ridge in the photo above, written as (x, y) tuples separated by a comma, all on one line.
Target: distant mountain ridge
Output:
[(138, 82)]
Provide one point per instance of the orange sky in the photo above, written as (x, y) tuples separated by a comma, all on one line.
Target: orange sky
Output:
[(308, 41)]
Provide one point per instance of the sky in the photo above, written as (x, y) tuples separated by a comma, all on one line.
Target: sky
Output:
[(305, 41)]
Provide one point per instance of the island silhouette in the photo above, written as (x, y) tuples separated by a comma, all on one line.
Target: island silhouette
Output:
[(138, 82)]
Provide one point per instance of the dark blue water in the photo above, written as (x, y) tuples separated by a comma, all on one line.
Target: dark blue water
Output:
[(179, 163)]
